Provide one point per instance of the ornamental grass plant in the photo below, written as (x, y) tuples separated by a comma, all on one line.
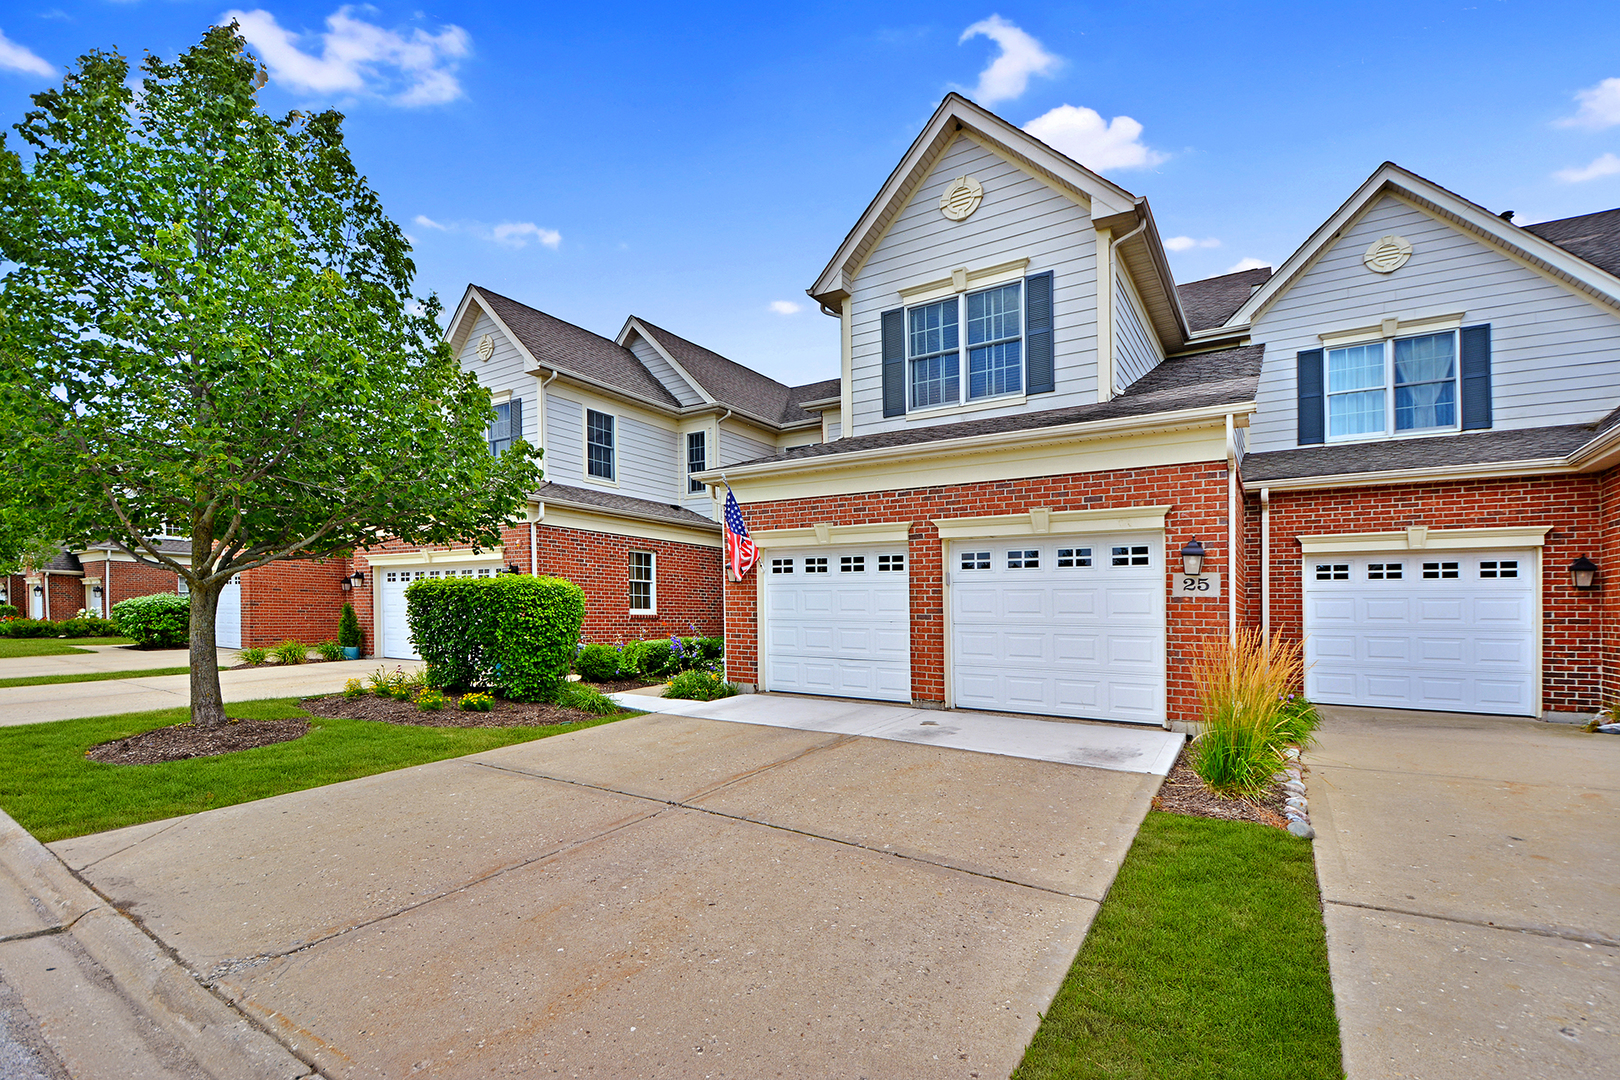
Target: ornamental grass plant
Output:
[(1245, 687)]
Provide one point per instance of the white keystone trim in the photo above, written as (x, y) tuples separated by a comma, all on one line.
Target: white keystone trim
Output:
[(878, 532), (1423, 538), (1042, 521), (400, 558)]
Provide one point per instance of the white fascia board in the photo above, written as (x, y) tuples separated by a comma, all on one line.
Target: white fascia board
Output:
[(1395, 477), (634, 324), (1084, 430), (1420, 538), (1389, 176), (1046, 522), (820, 403), (1600, 453), (1107, 198), (470, 301), (435, 558)]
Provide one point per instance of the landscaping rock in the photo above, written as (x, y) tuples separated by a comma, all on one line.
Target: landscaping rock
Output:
[(1302, 830)]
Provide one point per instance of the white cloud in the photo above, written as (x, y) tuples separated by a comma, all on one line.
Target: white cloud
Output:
[(1604, 165), (14, 57), (1008, 74), (415, 68), (428, 223), (786, 307), (1187, 243), (1247, 263), (517, 234), (1096, 143), (1600, 106)]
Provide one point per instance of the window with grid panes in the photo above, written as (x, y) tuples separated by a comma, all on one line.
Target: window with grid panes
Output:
[(642, 584), (599, 444)]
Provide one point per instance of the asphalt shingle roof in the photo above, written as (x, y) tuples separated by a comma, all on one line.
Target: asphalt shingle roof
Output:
[(607, 500), (729, 382), (816, 391), (1593, 237), (1211, 301), (1227, 377), (566, 347), (1469, 448)]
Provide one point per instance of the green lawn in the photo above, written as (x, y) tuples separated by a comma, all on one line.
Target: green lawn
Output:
[(94, 676), (1207, 960), (10, 647), (49, 787)]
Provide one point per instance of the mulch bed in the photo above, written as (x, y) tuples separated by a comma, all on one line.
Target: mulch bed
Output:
[(273, 662), (182, 741), (1184, 793), (619, 685), (393, 711)]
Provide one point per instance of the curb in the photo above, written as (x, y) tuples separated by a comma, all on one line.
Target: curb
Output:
[(222, 1041)]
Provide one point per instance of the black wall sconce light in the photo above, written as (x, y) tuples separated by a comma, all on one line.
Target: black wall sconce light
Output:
[(1192, 557), (1583, 573)]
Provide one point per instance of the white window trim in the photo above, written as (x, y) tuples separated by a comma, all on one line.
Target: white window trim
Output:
[(652, 584), (585, 446), (686, 460), (963, 402), (1388, 340)]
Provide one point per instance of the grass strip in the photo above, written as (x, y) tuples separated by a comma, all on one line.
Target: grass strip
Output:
[(49, 787), (1208, 959), (14, 647), (95, 676)]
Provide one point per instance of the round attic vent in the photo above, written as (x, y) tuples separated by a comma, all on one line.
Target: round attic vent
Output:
[(962, 197), (1387, 254), (486, 347)]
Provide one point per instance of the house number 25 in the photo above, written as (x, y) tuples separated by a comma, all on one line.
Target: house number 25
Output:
[(1198, 585)]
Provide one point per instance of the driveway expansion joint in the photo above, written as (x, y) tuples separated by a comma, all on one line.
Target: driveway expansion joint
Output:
[(48, 931), (1560, 933)]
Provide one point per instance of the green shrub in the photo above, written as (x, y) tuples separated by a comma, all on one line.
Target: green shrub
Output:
[(330, 650), (584, 698), (514, 632), (714, 648), (291, 652), (79, 626), (699, 685), (597, 663), (352, 689), (649, 659), (28, 628), (476, 703), (1297, 721), (349, 632), (255, 656), (8, 611), (159, 621), (429, 699)]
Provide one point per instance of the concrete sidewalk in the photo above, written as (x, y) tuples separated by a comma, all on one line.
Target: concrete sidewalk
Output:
[(1470, 879), (99, 658), (66, 701)]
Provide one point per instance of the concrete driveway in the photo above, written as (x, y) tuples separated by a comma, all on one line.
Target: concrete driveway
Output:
[(663, 896), (1470, 875)]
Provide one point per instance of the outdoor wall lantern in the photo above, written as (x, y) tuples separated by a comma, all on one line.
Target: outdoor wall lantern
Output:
[(356, 580), (5, 592), (1192, 557), (513, 568), (39, 590), (95, 591), (1583, 572)]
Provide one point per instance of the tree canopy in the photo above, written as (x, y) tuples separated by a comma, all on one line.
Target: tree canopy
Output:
[(207, 329)]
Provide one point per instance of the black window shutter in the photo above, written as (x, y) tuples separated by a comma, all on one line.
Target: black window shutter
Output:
[(1311, 399), (1039, 376), (517, 420), (894, 362), (1476, 377)]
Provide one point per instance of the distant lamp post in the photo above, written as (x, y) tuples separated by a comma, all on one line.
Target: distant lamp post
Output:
[(1192, 557), (1583, 573)]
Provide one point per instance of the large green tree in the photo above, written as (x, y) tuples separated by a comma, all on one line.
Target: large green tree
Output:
[(207, 326)]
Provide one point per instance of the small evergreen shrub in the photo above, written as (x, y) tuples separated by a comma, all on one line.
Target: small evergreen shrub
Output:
[(330, 650), (349, 632), (255, 655), (162, 620), (699, 685), (352, 689), (514, 632), (291, 652), (597, 663), (476, 703)]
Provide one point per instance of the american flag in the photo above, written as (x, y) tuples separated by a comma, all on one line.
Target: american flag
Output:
[(740, 550)]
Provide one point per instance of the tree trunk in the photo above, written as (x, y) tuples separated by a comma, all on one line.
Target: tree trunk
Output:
[(207, 701)]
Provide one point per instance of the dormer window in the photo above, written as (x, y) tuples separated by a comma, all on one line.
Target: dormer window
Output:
[(994, 356), (1394, 386)]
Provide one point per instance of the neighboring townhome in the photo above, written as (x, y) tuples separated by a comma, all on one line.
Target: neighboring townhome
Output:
[(1434, 451), (1033, 430), (1060, 473), (626, 424)]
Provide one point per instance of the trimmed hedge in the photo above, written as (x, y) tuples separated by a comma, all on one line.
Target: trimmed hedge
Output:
[(513, 632), (156, 621), (84, 626), (597, 663)]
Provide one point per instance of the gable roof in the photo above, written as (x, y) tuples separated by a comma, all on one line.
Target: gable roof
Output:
[(614, 503), (1209, 302), (954, 115), (1593, 237), (727, 381), (551, 343), (825, 390), (1576, 273)]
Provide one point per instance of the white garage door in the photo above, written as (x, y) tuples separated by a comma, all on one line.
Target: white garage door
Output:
[(838, 622), (1450, 631), (1061, 626), (394, 631), (227, 615)]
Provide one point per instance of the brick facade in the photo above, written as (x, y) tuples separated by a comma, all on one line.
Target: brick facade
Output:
[(1579, 511), (1197, 494), (298, 599)]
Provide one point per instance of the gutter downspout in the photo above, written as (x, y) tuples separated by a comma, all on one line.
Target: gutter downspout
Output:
[(1231, 528), (1265, 564), (1113, 248), (540, 430)]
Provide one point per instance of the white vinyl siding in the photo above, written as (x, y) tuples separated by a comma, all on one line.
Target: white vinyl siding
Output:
[(645, 454), (1020, 217), (741, 444), (1136, 350), (662, 370), (504, 370), (1552, 352)]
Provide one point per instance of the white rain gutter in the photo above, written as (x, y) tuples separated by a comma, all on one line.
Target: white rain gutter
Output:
[(540, 429)]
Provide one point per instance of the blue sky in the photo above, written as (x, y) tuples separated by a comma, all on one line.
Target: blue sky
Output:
[(697, 166)]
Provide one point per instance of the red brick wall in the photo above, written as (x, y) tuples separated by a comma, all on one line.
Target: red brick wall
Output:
[(298, 599), (1196, 493), (132, 579), (1609, 583), (1572, 621), (64, 595)]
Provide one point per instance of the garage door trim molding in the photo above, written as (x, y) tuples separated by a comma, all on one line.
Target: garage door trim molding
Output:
[(878, 532), (1422, 538), (1041, 521), (399, 558)]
